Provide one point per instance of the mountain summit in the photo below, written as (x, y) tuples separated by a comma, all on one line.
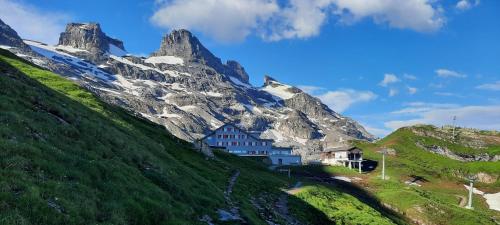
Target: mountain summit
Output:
[(89, 36), (182, 43)]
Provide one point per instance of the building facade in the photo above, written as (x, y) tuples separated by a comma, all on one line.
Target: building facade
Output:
[(350, 157), (243, 143)]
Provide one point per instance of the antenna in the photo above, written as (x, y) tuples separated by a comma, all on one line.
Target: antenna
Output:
[(384, 151)]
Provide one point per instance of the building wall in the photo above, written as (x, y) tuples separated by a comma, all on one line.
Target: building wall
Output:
[(285, 159), (238, 142)]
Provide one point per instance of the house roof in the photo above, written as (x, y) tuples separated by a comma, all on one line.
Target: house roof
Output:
[(249, 133), (342, 149)]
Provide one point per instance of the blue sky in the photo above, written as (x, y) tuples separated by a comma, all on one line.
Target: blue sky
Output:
[(386, 63)]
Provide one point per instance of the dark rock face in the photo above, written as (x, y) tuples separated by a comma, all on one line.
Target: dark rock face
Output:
[(9, 37), (183, 44), (88, 36), (234, 69)]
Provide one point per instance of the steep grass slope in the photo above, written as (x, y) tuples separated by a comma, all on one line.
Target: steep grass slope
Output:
[(68, 158)]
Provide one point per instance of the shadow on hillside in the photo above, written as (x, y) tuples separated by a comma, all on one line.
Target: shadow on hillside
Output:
[(317, 173)]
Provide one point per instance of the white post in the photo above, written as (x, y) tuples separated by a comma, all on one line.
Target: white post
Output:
[(383, 165), (288, 172), (471, 188), (359, 166)]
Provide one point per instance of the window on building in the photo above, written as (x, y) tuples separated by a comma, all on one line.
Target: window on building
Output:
[(219, 136)]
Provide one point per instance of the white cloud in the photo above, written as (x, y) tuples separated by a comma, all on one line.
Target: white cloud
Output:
[(491, 87), (445, 73), (393, 92), (409, 76), (33, 23), (448, 94), (224, 20), (300, 19), (480, 117), (419, 107), (234, 20), (379, 132), (310, 89), (418, 15), (389, 79), (341, 100), (412, 90), (466, 4)]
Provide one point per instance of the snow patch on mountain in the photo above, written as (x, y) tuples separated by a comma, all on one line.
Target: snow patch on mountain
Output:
[(167, 59), (280, 90)]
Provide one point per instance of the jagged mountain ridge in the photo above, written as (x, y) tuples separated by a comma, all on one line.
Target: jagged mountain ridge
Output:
[(184, 87)]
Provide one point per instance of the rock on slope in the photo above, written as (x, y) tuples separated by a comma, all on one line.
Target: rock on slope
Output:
[(184, 87)]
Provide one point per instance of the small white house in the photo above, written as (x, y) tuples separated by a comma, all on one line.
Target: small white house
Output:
[(349, 157)]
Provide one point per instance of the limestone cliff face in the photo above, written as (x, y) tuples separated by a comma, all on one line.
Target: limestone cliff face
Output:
[(88, 36)]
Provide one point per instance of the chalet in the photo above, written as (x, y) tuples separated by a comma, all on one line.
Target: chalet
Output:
[(349, 157), (244, 143)]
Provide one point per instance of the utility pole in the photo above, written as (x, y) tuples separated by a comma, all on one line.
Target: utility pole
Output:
[(383, 164), (471, 190), (453, 131)]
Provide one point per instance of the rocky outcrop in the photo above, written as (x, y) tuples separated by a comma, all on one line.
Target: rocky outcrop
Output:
[(9, 37), (296, 124), (452, 155), (88, 36), (234, 69)]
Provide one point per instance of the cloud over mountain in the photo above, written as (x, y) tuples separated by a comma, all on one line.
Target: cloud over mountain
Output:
[(234, 20)]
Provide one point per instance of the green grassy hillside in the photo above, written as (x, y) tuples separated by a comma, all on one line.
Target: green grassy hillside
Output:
[(438, 194), (68, 158)]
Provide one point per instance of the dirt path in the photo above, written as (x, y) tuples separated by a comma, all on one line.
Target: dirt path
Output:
[(232, 213), (282, 205)]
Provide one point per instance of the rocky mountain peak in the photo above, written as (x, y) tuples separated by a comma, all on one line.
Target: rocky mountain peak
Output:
[(182, 43), (89, 36), (9, 37), (268, 80)]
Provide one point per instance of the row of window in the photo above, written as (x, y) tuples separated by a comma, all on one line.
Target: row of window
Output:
[(244, 143), (249, 152), (232, 136)]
